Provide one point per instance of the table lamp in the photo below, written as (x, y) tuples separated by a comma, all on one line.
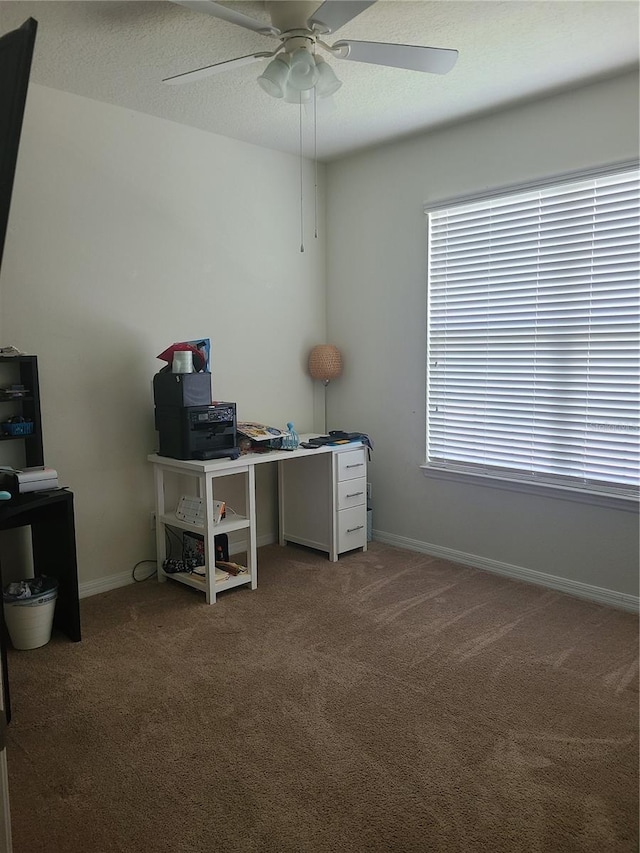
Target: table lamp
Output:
[(325, 364)]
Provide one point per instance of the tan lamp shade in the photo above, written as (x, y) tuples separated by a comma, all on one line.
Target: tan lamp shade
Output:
[(325, 362)]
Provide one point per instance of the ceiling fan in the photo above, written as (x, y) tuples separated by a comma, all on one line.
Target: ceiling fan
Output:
[(297, 67)]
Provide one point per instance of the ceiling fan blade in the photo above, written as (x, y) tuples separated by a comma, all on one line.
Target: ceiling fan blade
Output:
[(333, 14), (209, 7), (436, 60), (216, 68)]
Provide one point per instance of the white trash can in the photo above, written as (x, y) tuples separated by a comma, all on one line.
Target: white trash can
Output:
[(29, 620)]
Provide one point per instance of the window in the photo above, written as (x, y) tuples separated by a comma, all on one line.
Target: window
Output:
[(533, 335)]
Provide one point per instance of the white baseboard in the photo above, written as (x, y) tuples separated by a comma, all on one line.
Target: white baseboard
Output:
[(105, 584), (577, 588), (582, 590), (110, 582)]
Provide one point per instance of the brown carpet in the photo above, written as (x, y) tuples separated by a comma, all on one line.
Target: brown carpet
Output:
[(390, 702)]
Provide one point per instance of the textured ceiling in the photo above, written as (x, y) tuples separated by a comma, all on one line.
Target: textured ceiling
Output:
[(118, 52)]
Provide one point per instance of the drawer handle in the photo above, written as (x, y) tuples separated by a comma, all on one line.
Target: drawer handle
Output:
[(353, 529), (355, 494), (359, 465)]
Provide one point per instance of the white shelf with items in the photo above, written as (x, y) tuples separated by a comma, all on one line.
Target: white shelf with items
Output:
[(200, 581), (205, 476), (227, 525)]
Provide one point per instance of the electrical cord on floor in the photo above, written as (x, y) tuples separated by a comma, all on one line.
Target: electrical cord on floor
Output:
[(139, 563), (153, 574)]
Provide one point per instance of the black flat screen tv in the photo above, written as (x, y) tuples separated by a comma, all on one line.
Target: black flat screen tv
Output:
[(16, 50)]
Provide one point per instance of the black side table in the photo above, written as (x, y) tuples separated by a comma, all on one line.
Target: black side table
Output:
[(51, 518)]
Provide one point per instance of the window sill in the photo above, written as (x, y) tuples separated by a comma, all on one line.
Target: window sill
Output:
[(629, 504)]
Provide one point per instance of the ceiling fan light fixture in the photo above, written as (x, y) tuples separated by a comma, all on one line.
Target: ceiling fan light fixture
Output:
[(274, 77), (297, 96), (303, 74), (328, 84)]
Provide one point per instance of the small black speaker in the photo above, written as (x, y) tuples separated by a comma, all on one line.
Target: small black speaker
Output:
[(222, 547)]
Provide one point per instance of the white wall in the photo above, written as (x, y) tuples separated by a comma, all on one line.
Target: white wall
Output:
[(376, 271), (128, 233)]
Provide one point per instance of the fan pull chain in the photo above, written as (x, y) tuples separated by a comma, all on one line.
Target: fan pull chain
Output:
[(315, 158), (301, 196)]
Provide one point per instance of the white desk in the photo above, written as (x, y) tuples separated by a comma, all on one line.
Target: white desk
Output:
[(321, 504)]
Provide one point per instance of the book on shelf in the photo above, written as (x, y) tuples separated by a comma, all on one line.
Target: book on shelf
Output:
[(231, 568), (221, 575)]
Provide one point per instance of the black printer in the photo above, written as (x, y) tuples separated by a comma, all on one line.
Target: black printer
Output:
[(189, 425)]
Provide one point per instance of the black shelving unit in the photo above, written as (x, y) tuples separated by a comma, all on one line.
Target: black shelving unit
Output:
[(49, 514), (25, 373)]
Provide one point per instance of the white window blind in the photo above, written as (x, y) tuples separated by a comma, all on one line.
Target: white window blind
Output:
[(534, 354)]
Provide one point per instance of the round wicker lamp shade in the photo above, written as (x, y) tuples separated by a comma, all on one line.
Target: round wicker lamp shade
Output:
[(325, 362)]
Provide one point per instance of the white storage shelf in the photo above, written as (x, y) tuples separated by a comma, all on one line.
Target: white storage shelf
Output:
[(225, 525), (236, 522), (204, 475), (200, 582)]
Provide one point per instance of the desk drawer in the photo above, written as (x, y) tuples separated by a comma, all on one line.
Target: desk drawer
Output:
[(352, 528), (352, 493), (352, 464)]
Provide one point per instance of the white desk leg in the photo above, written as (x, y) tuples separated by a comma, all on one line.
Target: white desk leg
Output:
[(161, 543), (252, 551), (281, 539), (333, 474), (205, 486)]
